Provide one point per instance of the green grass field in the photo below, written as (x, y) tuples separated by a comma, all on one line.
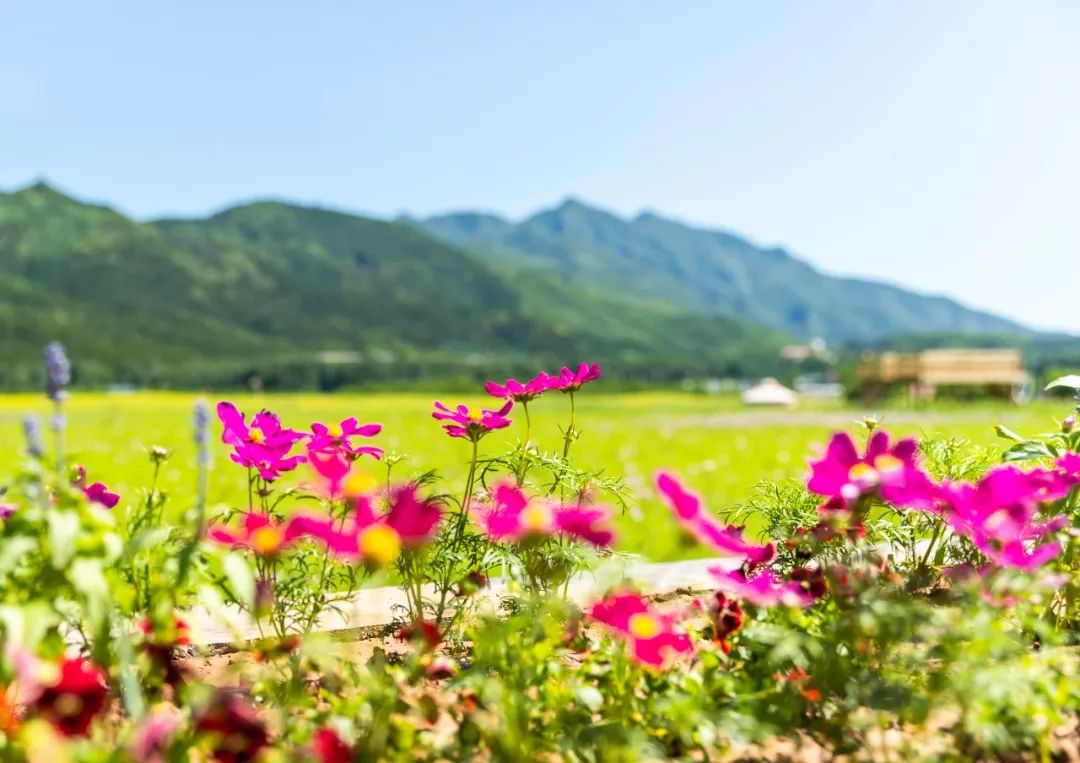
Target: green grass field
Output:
[(719, 447)]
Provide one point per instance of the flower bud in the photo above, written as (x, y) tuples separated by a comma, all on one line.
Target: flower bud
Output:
[(1068, 424)]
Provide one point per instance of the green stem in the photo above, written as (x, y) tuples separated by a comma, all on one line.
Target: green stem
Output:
[(933, 540), (58, 437), (571, 430), (466, 500), (523, 465)]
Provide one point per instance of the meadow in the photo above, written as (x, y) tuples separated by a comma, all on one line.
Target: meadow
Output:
[(718, 445)]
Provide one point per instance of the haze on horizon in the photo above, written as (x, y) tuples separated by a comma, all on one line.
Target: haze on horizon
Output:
[(928, 145)]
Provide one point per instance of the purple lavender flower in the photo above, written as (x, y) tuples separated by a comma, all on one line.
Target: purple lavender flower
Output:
[(32, 431), (200, 421), (57, 371)]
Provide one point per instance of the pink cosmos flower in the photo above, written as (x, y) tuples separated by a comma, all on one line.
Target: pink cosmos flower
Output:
[(264, 445), (96, 492), (155, 733), (764, 589), (327, 439), (512, 515), (1069, 466), (654, 638), (889, 471), (337, 475), (410, 522), (261, 533), (725, 539), (471, 424), (7, 509), (571, 381), (518, 392), (1001, 515)]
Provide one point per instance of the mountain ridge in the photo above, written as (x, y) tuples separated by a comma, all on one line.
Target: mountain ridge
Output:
[(717, 271), (266, 288)]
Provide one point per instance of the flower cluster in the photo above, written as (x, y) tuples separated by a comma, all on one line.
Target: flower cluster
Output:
[(512, 515), (567, 380), (263, 445)]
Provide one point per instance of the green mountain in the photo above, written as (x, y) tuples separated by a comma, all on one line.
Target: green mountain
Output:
[(708, 271), (309, 297)]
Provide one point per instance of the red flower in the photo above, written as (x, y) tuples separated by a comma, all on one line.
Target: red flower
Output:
[(727, 619), (812, 580), (423, 633), (236, 731), (329, 748), (77, 697)]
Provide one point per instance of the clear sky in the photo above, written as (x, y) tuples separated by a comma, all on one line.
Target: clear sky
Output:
[(935, 144)]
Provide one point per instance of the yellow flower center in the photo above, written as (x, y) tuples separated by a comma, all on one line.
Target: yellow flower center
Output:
[(537, 517), (380, 543), (267, 539), (476, 416), (357, 482), (643, 625), (888, 463), (256, 436), (863, 474), (68, 705), (334, 430)]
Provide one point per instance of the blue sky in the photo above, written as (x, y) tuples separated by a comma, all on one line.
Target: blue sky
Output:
[(933, 144)]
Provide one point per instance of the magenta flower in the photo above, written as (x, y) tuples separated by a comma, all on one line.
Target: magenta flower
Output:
[(571, 381), (98, 493), (518, 392), (889, 471), (338, 478), (326, 439), (471, 424), (1001, 515), (765, 589), (725, 539), (654, 638), (410, 522), (7, 509), (1069, 466), (513, 516), (95, 493), (264, 445), (261, 533)]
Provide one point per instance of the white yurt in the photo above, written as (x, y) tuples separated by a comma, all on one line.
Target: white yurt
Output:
[(769, 392)]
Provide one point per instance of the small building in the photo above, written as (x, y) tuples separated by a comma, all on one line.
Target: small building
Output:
[(769, 392), (923, 374)]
